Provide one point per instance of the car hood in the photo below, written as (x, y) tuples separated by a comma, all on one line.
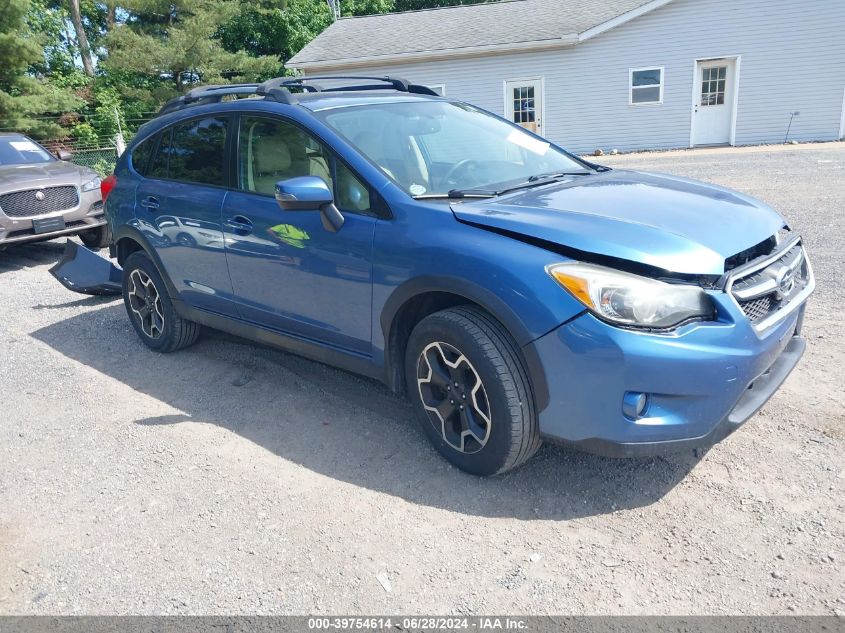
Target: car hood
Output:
[(42, 175), (679, 225)]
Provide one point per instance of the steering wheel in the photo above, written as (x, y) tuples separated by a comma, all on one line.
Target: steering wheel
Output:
[(465, 168)]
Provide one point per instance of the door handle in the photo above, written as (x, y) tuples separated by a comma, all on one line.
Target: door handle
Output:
[(239, 224), (150, 202)]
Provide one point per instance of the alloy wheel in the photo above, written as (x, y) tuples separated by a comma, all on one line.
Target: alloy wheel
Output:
[(454, 397), (145, 303)]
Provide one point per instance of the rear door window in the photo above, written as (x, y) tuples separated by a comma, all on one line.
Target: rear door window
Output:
[(193, 151), (197, 151)]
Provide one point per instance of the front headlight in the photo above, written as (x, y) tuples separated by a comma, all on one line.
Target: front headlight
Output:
[(91, 185), (629, 299)]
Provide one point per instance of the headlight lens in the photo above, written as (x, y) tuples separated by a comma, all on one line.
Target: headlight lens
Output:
[(91, 185), (629, 299)]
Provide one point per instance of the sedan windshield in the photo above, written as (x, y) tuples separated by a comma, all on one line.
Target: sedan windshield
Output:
[(19, 150), (442, 148)]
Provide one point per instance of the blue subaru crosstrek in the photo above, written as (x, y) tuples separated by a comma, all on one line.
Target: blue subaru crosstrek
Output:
[(514, 292)]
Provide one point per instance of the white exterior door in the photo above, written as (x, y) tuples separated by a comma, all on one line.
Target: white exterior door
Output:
[(524, 103), (713, 106)]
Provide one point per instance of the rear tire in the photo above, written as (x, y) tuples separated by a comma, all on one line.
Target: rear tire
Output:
[(471, 391), (98, 238), (150, 309)]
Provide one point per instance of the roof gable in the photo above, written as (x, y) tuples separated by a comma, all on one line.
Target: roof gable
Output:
[(511, 25)]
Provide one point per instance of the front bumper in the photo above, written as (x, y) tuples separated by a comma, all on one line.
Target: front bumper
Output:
[(702, 383), (87, 214)]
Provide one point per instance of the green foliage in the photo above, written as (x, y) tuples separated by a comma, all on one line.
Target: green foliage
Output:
[(85, 134), (25, 96), (145, 52), (281, 31), (177, 43)]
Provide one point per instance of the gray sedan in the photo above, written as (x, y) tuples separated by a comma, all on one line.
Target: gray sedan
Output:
[(42, 197)]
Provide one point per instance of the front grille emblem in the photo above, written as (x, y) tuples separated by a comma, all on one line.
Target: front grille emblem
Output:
[(39, 195), (785, 281)]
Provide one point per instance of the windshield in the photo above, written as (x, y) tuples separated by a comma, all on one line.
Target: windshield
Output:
[(432, 148), (19, 150)]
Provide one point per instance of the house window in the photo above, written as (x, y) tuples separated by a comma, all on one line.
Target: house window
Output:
[(439, 89), (646, 85)]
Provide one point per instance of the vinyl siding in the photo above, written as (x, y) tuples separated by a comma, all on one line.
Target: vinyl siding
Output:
[(792, 59)]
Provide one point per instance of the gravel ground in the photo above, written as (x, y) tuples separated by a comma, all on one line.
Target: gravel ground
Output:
[(229, 478)]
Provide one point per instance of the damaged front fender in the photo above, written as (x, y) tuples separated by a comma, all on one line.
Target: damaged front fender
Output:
[(84, 271)]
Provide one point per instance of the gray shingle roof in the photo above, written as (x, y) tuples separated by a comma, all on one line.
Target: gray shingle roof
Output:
[(461, 27)]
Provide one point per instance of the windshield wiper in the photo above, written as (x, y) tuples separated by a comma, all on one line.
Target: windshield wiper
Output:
[(558, 174), (461, 193), (533, 181), (542, 179)]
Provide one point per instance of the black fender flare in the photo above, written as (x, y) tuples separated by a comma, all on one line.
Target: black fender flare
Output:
[(485, 299), (132, 233)]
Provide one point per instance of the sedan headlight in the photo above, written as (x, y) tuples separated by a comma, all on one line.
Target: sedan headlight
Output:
[(91, 185), (629, 299)]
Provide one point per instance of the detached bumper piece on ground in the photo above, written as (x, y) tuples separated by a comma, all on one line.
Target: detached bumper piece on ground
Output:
[(86, 272)]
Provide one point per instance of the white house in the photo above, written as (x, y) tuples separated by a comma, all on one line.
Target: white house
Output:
[(626, 74)]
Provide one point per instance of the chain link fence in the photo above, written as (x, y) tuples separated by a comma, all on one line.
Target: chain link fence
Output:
[(101, 159)]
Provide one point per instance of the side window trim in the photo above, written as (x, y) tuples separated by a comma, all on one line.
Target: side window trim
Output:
[(379, 208)]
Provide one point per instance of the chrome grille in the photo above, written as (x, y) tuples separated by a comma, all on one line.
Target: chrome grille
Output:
[(33, 202), (763, 291)]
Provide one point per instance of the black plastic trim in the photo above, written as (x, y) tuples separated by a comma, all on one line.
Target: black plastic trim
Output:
[(474, 294), (342, 359)]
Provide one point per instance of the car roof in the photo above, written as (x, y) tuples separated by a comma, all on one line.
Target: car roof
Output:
[(323, 100), (313, 102)]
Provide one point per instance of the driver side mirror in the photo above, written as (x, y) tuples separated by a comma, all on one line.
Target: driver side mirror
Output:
[(63, 154), (309, 193)]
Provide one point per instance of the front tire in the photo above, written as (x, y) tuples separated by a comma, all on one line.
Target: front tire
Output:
[(150, 309), (471, 391)]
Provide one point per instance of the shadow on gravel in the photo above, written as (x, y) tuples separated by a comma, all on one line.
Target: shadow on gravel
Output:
[(29, 255), (346, 427), (79, 303)]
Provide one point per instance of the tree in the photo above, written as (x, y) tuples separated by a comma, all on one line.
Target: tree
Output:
[(264, 29), (26, 96), (176, 43), (81, 38)]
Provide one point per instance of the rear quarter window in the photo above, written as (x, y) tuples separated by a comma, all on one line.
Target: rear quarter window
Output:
[(141, 153)]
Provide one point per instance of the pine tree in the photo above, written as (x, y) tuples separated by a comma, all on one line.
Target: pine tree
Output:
[(26, 99), (177, 43)]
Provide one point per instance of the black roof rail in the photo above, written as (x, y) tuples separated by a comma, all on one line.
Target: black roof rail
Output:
[(395, 83), (279, 89), (202, 95)]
